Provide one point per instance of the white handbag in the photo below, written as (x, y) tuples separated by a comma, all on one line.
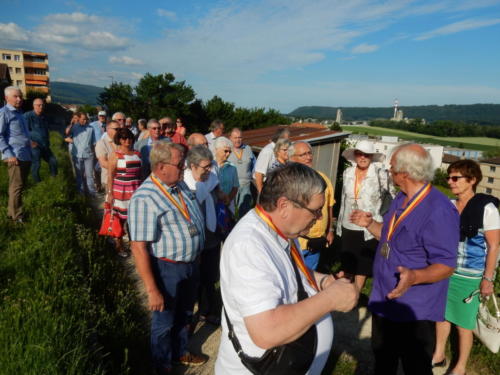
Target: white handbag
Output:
[(488, 326)]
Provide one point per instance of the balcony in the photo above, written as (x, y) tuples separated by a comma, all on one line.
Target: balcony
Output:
[(36, 77), (29, 88), (36, 65)]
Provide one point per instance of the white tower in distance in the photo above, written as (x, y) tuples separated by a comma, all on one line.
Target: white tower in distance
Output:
[(396, 105)]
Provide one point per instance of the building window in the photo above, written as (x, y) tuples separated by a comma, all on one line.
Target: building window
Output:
[(18, 70), (6, 56), (490, 180), (492, 168), (17, 57), (488, 191), (10, 69), (19, 83)]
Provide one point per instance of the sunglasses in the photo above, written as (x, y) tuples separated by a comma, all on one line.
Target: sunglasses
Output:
[(359, 154), (454, 178)]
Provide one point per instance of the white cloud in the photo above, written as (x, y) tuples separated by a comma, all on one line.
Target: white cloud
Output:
[(99, 40), (456, 27), (364, 48), (167, 14), (11, 31), (125, 60), (76, 17)]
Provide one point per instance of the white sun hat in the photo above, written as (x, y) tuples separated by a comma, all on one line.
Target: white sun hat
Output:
[(366, 147)]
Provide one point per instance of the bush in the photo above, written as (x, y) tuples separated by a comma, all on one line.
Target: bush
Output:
[(68, 305)]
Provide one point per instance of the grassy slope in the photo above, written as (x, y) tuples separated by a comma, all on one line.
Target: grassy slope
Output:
[(68, 305), (475, 143)]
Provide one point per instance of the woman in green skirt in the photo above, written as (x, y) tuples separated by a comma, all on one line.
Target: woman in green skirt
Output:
[(476, 261)]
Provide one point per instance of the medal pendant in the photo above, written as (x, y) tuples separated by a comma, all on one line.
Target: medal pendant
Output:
[(193, 231), (355, 205), (240, 161), (385, 250)]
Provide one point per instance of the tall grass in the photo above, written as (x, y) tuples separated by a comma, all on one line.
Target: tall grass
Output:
[(68, 305)]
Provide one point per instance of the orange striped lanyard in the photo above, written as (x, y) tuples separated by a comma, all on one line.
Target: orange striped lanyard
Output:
[(393, 224), (293, 249), (184, 209)]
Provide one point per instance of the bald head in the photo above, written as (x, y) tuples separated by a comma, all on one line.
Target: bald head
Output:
[(197, 139), (38, 106), (301, 152)]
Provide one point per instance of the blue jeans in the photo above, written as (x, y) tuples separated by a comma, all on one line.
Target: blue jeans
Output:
[(38, 153), (84, 170), (178, 282)]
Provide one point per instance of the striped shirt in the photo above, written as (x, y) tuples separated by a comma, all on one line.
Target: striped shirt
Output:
[(154, 219)]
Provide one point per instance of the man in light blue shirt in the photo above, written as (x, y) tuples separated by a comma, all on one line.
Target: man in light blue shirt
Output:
[(15, 147), (83, 138), (99, 128)]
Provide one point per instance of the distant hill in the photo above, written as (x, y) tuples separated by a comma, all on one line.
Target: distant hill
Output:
[(486, 114), (74, 93)]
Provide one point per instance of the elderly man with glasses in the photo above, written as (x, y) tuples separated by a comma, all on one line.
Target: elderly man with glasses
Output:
[(145, 145), (167, 233), (317, 241), (104, 148), (271, 298)]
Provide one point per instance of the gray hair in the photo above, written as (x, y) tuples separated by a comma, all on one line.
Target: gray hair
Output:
[(161, 152), (282, 142), (117, 114), (413, 159), (294, 181), (291, 148), (152, 121), (10, 89), (281, 133), (222, 142), (235, 130), (216, 124), (197, 154)]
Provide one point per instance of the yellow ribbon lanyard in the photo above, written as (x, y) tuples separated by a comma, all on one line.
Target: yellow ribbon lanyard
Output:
[(236, 154), (393, 224), (293, 249), (184, 209)]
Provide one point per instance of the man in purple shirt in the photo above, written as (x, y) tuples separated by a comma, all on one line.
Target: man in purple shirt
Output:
[(15, 146), (415, 257)]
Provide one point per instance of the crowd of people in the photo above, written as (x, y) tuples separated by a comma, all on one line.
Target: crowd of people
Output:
[(248, 239)]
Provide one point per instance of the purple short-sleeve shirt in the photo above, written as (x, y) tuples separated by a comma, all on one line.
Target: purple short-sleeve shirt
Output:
[(428, 235)]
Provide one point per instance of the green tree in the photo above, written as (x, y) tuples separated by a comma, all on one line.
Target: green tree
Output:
[(440, 178), (88, 109), (118, 97), (159, 96)]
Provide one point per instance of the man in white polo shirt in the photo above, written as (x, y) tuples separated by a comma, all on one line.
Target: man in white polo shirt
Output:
[(271, 298)]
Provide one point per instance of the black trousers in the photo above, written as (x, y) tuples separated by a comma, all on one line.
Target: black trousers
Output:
[(411, 342)]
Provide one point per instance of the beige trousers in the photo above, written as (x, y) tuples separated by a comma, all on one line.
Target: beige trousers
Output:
[(18, 175)]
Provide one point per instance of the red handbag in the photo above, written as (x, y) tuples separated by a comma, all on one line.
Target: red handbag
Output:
[(111, 223)]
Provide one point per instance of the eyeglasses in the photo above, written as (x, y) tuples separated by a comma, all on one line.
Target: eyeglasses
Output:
[(454, 178), (155, 128), (359, 154), (180, 166), (205, 168), (316, 213), (227, 151), (307, 153), (120, 119), (114, 128)]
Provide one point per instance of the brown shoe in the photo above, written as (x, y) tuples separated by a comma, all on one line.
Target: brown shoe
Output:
[(192, 360)]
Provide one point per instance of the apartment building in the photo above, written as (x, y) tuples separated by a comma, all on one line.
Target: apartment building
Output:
[(491, 177), (28, 70)]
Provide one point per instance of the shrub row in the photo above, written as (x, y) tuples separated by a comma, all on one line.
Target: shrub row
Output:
[(67, 304)]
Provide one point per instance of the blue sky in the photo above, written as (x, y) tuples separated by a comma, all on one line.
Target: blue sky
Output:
[(274, 53)]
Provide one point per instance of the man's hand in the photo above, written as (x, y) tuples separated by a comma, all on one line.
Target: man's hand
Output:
[(156, 301), (361, 218), (12, 161), (329, 238), (34, 144), (344, 294), (68, 139), (407, 279)]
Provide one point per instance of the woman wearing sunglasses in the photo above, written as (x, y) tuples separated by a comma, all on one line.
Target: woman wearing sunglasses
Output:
[(361, 190), (476, 261)]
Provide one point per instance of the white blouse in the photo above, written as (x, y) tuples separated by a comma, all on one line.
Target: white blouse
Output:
[(369, 199)]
